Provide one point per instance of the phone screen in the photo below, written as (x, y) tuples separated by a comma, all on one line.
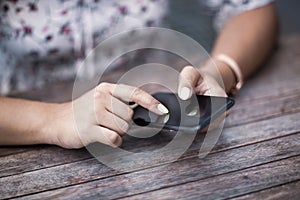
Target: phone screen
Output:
[(187, 115)]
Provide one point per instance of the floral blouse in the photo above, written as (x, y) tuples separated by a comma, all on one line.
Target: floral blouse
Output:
[(42, 41)]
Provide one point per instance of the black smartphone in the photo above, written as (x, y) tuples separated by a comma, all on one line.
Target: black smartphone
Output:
[(184, 115)]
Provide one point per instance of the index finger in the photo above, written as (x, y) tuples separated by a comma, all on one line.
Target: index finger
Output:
[(130, 93)]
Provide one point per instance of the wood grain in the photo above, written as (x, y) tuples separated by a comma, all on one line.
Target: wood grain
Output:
[(289, 191), (231, 138), (259, 110), (39, 159), (187, 171), (232, 184)]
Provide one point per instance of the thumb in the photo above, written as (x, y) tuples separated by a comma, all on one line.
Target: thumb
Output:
[(188, 80), (102, 135)]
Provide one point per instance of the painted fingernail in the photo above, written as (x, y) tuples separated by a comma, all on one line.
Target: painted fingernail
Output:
[(184, 93), (166, 118), (162, 109)]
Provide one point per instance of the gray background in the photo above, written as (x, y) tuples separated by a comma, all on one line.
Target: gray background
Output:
[(191, 18)]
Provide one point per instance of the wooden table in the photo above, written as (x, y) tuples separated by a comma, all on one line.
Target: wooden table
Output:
[(256, 157)]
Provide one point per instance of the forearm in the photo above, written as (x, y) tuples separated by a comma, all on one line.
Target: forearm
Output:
[(23, 122), (247, 38)]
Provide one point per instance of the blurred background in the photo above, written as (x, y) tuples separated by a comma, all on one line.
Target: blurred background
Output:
[(193, 20), (289, 16), (185, 16)]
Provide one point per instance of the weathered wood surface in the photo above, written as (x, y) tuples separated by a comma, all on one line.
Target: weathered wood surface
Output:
[(180, 173), (289, 191), (257, 155), (232, 184)]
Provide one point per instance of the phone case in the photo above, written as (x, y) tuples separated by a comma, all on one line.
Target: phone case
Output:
[(184, 115)]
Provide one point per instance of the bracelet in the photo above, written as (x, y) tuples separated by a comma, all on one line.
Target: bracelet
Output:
[(236, 71)]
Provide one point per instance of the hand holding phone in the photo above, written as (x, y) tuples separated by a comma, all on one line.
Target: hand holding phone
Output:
[(185, 115)]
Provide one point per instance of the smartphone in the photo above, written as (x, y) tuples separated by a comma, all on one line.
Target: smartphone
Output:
[(185, 115)]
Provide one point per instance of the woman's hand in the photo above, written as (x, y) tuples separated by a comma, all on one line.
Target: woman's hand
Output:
[(193, 80), (100, 115)]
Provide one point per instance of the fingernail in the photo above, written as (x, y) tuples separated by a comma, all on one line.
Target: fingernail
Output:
[(184, 93), (166, 118), (162, 109)]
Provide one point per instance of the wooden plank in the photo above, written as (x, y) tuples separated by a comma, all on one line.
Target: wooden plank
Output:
[(182, 175), (11, 150), (258, 131), (243, 113), (230, 138), (5, 151), (38, 159), (289, 191), (232, 184), (261, 90)]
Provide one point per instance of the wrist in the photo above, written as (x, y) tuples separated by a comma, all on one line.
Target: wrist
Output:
[(221, 73), (56, 117)]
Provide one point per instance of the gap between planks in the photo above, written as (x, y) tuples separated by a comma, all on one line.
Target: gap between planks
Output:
[(215, 192), (203, 171), (284, 191)]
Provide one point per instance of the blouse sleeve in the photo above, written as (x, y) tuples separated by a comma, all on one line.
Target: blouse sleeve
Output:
[(229, 8)]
